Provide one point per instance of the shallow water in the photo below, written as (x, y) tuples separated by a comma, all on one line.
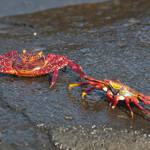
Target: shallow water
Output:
[(109, 40)]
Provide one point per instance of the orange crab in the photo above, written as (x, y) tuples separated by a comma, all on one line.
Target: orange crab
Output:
[(115, 91), (31, 64)]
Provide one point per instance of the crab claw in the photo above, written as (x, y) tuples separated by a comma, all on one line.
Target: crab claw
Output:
[(115, 101)]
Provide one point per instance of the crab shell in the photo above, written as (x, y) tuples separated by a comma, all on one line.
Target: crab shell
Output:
[(28, 62), (123, 90)]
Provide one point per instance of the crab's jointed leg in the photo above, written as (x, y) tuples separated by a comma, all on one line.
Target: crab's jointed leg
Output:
[(144, 98), (94, 84), (77, 84), (115, 101), (54, 78), (53, 63), (127, 100), (109, 95), (8, 70), (84, 83), (13, 55), (134, 100), (52, 60), (77, 68), (88, 91), (45, 70), (5, 61), (6, 65), (107, 80)]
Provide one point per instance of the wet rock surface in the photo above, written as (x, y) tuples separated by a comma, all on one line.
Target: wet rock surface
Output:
[(109, 40)]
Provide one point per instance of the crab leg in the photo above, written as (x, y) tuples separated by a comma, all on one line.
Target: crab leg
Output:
[(144, 98), (104, 82), (94, 80), (98, 85), (107, 80), (5, 61), (63, 61), (54, 78), (115, 101), (109, 95), (77, 84), (7, 70), (127, 102), (88, 91), (77, 68), (95, 85), (133, 100), (6, 65), (14, 55), (75, 64), (46, 71)]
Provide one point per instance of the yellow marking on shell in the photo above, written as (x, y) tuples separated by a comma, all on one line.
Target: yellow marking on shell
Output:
[(24, 51), (83, 94), (115, 85)]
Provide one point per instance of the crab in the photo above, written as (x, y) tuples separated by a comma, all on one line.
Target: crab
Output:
[(116, 91), (31, 64)]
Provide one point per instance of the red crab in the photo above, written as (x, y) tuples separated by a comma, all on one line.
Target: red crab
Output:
[(116, 91), (31, 64)]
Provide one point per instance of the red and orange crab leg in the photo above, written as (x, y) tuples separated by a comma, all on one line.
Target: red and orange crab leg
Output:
[(50, 67), (128, 100), (105, 81), (76, 68), (134, 100), (88, 91), (95, 86), (13, 55), (6, 65), (63, 59), (54, 78), (80, 84), (144, 98)]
